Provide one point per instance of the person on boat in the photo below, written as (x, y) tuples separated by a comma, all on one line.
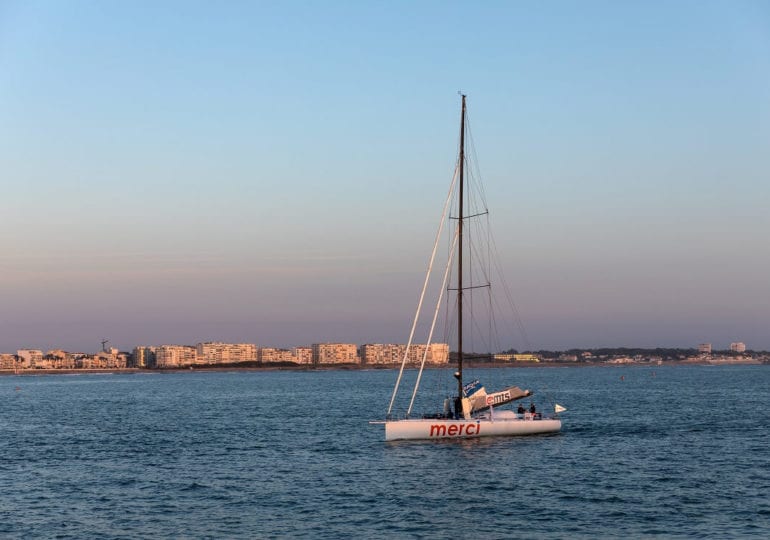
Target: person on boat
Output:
[(520, 410), (536, 415), (458, 408)]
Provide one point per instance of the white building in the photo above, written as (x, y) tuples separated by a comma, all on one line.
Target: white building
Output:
[(373, 354), (171, 356), (435, 353), (267, 355), (144, 357), (704, 348), (303, 355), (388, 354), (8, 361), (738, 346), (216, 352), (335, 353), (30, 358)]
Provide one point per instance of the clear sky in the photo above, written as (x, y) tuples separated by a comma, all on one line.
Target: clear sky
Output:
[(176, 172)]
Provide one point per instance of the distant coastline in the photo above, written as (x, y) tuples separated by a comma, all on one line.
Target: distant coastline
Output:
[(384, 367)]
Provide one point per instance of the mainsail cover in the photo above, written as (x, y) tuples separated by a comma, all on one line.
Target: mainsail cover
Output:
[(479, 400)]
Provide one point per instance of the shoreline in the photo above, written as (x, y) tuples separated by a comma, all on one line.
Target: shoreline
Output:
[(354, 367)]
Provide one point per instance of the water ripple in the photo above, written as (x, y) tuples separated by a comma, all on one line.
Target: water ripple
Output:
[(278, 454)]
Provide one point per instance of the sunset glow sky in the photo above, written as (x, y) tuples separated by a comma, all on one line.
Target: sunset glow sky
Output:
[(272, 173)]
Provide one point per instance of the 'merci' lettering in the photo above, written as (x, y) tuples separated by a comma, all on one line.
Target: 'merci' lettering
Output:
[(454, 430)]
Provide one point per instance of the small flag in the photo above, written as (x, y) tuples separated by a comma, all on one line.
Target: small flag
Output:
[(472, 387), (558, 408)]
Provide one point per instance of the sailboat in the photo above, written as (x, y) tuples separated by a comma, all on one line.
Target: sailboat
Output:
[(472, 412)]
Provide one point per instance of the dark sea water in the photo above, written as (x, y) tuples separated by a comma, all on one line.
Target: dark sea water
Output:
[(668, 452)]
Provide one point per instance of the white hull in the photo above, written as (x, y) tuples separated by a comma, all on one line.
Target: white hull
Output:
[(428, 428)]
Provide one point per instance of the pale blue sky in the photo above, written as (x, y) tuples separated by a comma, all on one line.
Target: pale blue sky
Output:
[(174, 172)]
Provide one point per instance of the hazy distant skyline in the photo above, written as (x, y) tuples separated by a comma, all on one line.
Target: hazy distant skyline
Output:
[(272, 173)]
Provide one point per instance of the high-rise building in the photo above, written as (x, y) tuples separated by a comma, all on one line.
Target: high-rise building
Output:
[(335, 353), (296, 355), (704, 348), (303, 355), (215, 352), (376, 353), (171, 356), (738, 346), (143, 357), (435, 353), (267, 355)]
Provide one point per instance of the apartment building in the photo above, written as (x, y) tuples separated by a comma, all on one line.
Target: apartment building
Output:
[(171, 356), (30, 358), (738, 347), (335, 353), (8, 361), (267, 355), (143, 357), (435, 353), (384, 354), (303, 355), (216, 352), (373, 354)]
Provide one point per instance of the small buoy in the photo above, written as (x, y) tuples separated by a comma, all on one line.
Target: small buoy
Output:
[(622, 377)]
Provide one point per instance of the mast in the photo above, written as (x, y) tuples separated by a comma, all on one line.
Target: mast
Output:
[(460, 260)]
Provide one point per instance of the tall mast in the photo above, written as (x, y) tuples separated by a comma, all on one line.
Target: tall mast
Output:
[(460, 258)]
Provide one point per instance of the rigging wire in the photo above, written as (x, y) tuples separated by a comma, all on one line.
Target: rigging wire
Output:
[(433, 323), (509, 297), (494, 257), (424, 288)]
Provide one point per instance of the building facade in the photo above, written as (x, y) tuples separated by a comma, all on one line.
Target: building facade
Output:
[(59, 359), (172, 356), (30, 358), (8, 361), (216, 352), (389, 354), (143, 357), (303, 355), (335, 353), (373, 354), (435, 353), (267, 355)]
